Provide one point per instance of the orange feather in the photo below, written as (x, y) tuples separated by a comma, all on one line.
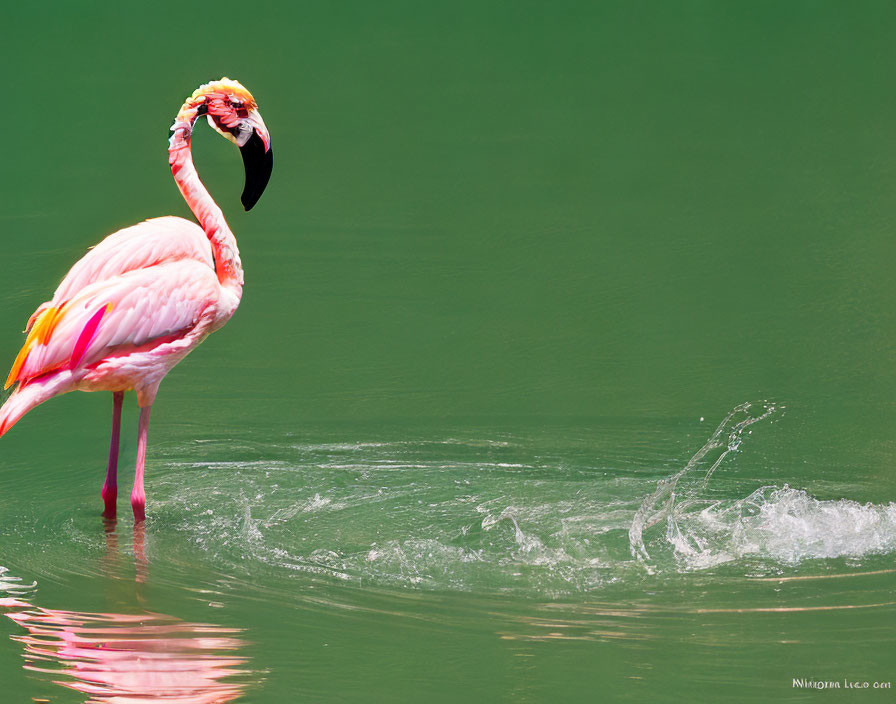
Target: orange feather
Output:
[(41, 331)]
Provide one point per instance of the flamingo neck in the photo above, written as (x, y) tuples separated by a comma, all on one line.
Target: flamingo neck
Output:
[(227, 255)]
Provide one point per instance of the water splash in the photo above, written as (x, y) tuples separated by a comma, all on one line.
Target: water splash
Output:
[(660, 504), (781, 524), (541, 515)]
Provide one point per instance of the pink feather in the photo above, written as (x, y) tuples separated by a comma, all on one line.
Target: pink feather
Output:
[(86, 337)]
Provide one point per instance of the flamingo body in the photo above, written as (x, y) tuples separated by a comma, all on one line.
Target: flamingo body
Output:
[(142, 299), (127, 331), (152, 242)]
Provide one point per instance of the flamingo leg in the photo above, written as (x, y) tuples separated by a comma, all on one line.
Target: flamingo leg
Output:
[(138, 495), (110, 487)]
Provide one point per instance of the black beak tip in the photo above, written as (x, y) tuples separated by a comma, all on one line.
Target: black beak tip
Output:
[(258, 164)]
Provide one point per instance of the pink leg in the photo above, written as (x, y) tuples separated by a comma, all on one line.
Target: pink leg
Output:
[(140, 562), (110, 488), (138, 495)]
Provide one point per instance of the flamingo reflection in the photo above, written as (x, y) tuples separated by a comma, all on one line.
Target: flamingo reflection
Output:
[(124, 658), (115, 658)]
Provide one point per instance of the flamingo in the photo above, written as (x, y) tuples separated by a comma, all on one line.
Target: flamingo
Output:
[(142, 299)]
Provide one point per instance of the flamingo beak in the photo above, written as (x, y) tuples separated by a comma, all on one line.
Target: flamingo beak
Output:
[(258, 161)]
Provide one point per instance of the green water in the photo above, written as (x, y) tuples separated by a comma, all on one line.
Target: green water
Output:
[(516, 264)]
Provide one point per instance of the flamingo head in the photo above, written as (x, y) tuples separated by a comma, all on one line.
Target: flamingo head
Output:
[(233, 113)]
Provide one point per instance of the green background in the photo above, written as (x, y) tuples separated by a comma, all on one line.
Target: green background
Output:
[(511, 254)]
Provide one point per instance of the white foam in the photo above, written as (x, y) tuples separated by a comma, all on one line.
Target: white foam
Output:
[(783, 524)]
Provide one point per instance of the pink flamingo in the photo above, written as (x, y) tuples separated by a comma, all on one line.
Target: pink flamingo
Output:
[(139, 301)]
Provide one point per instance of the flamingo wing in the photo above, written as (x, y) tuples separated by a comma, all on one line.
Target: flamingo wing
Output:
[(127, 310), (149, 243)]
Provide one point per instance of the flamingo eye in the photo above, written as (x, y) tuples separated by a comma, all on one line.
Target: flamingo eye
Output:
[(236, 105)]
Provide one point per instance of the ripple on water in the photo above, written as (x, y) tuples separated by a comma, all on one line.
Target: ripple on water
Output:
[(500, 516)]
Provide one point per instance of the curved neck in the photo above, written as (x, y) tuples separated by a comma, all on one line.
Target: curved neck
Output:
[(227, 256)]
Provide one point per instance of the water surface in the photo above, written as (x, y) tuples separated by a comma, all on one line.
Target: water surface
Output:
[(564, 367)]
